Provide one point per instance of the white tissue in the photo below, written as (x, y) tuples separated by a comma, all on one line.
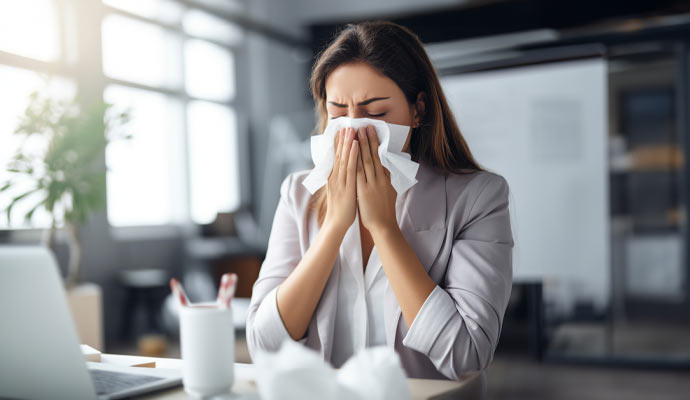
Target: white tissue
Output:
[(391, 141), (295, 372), (374, 373)]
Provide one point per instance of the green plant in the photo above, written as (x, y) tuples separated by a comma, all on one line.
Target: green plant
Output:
[(67, 172)]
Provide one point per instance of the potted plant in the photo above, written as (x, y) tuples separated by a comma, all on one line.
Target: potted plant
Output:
[(67, 172), (60, 168)]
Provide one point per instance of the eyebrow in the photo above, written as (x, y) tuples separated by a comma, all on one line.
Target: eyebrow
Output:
[(361, 103)]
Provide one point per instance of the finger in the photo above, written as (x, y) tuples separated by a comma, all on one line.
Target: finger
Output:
[(374, 144), (337, 144), (346, 146), (343, 136), (336, 163), (352, 164), (367, 161), (361, 176)]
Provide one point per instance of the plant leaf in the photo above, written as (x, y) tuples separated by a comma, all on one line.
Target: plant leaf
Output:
[(14, 201), (33, 209)]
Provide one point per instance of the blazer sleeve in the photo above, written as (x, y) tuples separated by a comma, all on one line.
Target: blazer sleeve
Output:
[(459, 324), (265, 328)]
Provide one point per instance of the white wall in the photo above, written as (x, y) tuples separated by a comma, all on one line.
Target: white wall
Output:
[(544, 128)]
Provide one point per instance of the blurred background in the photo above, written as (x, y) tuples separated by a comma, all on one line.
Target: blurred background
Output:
[(583, 106)]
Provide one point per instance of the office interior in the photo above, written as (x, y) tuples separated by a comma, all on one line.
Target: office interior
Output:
[(584, 107)]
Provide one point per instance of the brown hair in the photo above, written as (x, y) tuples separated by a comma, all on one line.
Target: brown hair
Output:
[(397, 53)]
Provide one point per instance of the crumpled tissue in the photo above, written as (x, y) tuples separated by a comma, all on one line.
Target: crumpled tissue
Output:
[(296, 373), (391, 141)]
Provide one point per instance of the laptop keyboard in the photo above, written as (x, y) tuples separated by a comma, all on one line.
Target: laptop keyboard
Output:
[(108, 382)]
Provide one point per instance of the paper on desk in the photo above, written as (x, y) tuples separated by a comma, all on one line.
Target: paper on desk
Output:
[(90, 354), (295, 372), (391, 141)]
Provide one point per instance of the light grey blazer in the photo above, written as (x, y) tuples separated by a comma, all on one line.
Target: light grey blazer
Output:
[(458, 226)]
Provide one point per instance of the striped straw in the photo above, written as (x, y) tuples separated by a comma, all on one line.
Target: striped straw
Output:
[(226, 291), (178, 292)]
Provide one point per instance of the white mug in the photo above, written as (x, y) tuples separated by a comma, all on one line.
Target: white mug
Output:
[(207, 341)]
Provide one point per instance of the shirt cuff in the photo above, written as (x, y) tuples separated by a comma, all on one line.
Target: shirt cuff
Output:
[(269, 325), (437, 310)]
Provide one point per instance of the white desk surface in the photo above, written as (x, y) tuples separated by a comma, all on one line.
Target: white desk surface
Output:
[(245, 384)]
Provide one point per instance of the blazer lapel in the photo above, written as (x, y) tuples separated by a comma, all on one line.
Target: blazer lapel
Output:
[(424, 226)]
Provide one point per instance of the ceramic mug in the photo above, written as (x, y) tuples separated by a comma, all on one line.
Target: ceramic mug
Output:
[(207, 342)]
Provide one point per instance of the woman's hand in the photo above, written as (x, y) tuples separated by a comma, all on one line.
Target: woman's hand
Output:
[(375, 194), (296, 306), (342, 183)]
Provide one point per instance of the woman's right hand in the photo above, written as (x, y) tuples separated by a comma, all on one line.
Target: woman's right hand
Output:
[(296, 306), (341, 189)]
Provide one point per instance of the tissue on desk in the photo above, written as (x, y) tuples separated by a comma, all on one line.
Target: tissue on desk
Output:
[(391, 141), (295, 372), (374, 373)]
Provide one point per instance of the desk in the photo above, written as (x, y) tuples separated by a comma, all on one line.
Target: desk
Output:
[(245, 384)]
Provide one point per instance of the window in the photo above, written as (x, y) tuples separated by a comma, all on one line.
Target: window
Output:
[(207, 26), (209, 71), (181, 164), (17, 85), (146, 174), (212, 160), (38, 39), (23, 43), (168, 62), (140, 52)]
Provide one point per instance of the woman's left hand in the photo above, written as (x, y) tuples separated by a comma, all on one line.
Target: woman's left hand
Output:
[(375, 194)]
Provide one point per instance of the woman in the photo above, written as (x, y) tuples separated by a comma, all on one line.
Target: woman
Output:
[(428, 272)]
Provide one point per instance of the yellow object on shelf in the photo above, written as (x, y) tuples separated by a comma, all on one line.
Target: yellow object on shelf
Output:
[(656, 157)]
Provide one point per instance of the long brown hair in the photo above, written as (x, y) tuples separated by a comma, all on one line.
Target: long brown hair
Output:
[(397, 53)]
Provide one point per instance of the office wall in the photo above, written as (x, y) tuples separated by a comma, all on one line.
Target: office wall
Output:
[(544, 128), (277, 75)]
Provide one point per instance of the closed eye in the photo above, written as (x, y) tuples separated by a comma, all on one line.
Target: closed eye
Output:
[(369, 115)]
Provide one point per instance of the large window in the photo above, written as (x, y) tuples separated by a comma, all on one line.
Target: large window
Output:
[(172, 65), (182, 161)]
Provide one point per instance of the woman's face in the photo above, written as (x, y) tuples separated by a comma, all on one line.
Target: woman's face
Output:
[(357, 90)]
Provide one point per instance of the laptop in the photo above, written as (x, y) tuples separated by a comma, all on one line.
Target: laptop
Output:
[(40, 356)]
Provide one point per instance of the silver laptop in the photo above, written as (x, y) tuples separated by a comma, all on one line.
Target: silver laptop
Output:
[(40, 356)]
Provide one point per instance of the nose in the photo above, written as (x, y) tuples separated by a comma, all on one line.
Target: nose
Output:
[(354, 113)]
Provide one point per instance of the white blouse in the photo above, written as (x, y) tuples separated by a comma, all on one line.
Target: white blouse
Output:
[(359, 311)]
